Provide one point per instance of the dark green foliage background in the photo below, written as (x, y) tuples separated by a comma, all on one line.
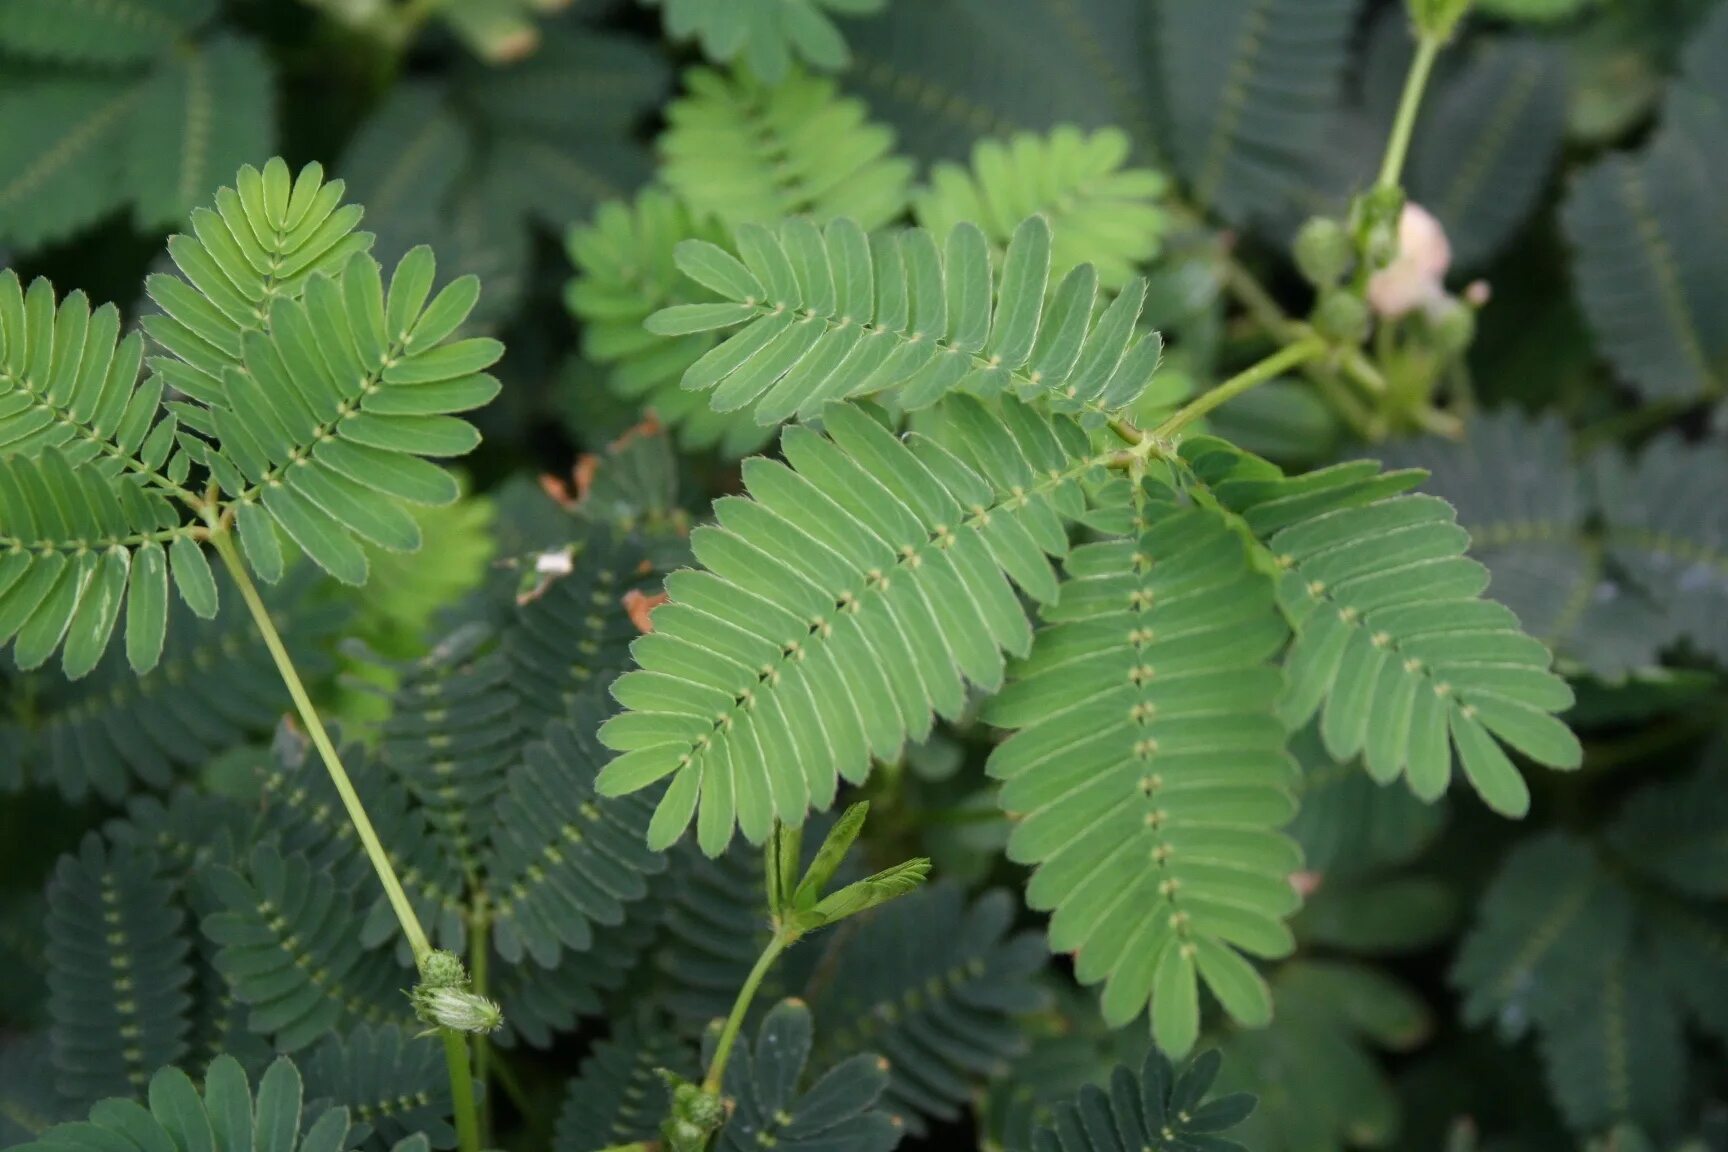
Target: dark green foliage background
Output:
[(1461, 981)]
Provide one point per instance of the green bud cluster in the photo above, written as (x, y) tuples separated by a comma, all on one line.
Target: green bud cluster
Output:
[(695, 1115), (444, 999)]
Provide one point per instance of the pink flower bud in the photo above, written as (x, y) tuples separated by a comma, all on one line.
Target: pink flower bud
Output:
[(1417, 277)]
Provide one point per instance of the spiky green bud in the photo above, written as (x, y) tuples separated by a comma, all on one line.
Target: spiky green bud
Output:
[(440, 969), (456, 1009), (443, 998)]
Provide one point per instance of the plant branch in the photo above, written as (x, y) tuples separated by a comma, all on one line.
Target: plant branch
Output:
[(224, 544), (480, 951), (1428, 48), (461, 1089), (455, 1044), (783, 939), (1248, 379)]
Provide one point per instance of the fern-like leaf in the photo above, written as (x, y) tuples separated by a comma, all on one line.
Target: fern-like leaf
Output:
[(1250, 88), (941, 1006), (1487, 147), (119, 972), (1348, 826), (831, 314), (617, 1096), (948, 74), (1158, 1109), (539, 1003), (1645, 229), (324, 392), (1617, 1054), (1599, 971), (130, 32), (305, 816), (290, 953), (309, 394), (768, 35), (1551, 908), (492, 733), (1663, 529), (744, 151), (225, 1117), (144, 105), (1149, 777), (625, 272), (844, 606), (203, 112), (86, 525), (1395, 649), (564, 864), (1319, 1065), (1668, 832), (774, 1110), (388, 1079), (114, 730), (1100, 213), (714, 929), (1529, 512)]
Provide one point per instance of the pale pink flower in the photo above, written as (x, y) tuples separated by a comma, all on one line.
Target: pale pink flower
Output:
[(1416, 279)]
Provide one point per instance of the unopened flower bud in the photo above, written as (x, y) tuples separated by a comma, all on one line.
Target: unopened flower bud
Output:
[(443, 999), (1324, 252), (1378, 206), (456, 1009), (1454, 325), (442, 969), (1342, 317), (695, 1114), (683, 1136), (703, 1109)]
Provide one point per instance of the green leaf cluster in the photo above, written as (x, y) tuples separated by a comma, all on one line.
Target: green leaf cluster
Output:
[(145, 105)]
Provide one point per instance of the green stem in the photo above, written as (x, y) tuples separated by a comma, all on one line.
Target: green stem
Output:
[(455, 1046), (224, 544), (480, 950), (1248, 379), (461, 1090), (741, 1007), (1409, 106)]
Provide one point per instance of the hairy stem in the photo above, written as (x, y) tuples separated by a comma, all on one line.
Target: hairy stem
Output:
[(455, 1045), (782, 940), (1248, 379), (1409, 106)]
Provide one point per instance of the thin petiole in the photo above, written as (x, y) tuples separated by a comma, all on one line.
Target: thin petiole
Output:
[(455, 1043)]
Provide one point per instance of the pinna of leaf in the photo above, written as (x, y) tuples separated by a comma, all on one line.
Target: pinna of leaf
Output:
[(308, 394)]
